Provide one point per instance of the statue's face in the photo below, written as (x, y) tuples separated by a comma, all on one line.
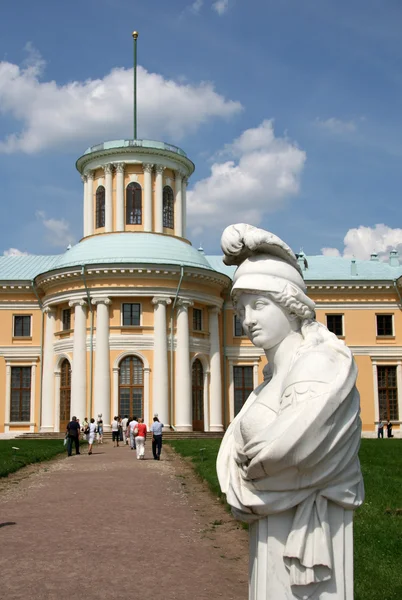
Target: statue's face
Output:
[(264, 322)]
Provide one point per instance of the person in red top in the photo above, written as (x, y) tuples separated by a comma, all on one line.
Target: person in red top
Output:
[(140, 438)]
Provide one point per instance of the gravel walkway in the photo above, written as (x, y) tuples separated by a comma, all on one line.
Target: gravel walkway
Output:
[(110, 526)]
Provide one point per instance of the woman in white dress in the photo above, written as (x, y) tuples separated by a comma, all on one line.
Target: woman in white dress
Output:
[(91, 435), (288, 462)]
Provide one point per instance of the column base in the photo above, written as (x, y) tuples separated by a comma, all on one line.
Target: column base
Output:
[(107, 428), (216, 428), (183, 427), (46, 429)]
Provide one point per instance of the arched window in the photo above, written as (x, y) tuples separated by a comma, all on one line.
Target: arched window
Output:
[(198, 395), (131, 387), (168, 207), (100, 207), (65, 394), (133, 204)]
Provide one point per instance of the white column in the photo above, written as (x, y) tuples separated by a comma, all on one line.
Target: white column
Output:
[(47, 417), (7, 398), (108, 197), (159, 198), (231, 390), (85, 209), (160, 399), (90, 203), (184, 205), (216, 378), (399, 384), (178, 205), (102, 360), (119, 196), (375, 388), (206, 400), (146, 396), (116, 371), (79, 369), (183, 403), (57, 381), (147, 196), (33, 396)]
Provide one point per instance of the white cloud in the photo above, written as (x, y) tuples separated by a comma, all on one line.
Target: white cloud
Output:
[(262, 172), (196, 6), (336, 126), (57, 231), (14, 252), (221, 6), (54, 116), (362, 241)]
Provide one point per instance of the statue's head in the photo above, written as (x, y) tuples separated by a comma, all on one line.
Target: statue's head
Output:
[(268, 267)]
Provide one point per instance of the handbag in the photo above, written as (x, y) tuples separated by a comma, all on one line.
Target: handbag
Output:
[(135, 431)]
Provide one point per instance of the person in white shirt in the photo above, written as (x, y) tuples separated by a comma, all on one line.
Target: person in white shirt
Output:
[(132, 425), (115, 432), (124, 424), (91, 435), (156, 429)]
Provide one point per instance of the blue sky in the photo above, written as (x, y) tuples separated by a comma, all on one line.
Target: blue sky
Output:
[(290, 109)]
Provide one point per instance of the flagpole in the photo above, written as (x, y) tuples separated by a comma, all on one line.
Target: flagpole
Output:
[(135, 36)]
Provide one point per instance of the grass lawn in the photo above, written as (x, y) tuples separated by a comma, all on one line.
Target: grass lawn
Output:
[(30, 451), (377, 524)]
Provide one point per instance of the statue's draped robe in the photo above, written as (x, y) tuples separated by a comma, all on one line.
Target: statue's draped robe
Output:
[(302, 467)]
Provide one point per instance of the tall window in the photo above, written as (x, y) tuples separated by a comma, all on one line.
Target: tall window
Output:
[(237, 326), (131, 314), (65, 394), (22, 326), (168, 207), (133, 204), (131, 387), (385, 325), (66, 318), (243, 386), (20, 394), (197, 319), (198, 395), (100, 207), (387, 393), (335, 324)]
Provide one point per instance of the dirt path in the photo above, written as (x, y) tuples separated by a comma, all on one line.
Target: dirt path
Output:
[(108, 526)]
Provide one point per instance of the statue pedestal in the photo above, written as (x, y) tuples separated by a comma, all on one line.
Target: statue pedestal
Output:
[(269, 577)]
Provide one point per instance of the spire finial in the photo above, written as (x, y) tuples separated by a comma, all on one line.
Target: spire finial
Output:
[(135, 36)]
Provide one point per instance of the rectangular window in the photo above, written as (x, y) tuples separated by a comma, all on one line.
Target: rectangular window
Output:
[(387, 394), (385, 325), (243, 386), (20, 409), (22, 326), (335, 324), (197, 319), (66, 318), (238, 329), (131, 314)]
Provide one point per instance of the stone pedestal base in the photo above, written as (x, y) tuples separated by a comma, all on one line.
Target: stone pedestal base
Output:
[(184, 427), (216, 428), (47, 429)]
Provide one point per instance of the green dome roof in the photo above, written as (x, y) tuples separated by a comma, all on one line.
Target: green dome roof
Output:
[(132, 248)]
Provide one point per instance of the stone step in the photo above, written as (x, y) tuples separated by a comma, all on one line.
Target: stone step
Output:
[(168, 435)]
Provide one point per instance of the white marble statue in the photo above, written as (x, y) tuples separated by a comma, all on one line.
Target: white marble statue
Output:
[(288, 463)]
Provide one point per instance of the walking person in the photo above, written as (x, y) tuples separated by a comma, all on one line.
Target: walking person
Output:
[(124, 424), (91, 435), (156, 429), (120, 428), (132, 425), (140, 438), (85, 428), (99, 428), (380, 429), (73, 435), (115, 432), (389, 429)]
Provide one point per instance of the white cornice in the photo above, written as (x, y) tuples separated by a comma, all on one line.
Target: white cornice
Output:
[(356, 305), (244, 352), (20, 352), (378, 351), (19, 306), (345, 286)]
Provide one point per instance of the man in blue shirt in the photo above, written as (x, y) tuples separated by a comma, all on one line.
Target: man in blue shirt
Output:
[(156, 429), (73, 435)]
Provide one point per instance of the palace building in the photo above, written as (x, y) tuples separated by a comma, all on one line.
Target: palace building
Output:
[(133, 320)]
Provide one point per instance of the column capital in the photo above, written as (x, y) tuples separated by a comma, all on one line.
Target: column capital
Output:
[(160, 168), (178, 175), (119, 167), (214, 310), (90, 175), (116, 369), (77, 302), (185, 304), (108, 168), (161, 300), (147, 167), (101, 300), (185, 181), (49, 310), (84, 178)]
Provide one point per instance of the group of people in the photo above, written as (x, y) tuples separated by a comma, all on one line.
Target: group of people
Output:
[(131, 432), (380, 429)]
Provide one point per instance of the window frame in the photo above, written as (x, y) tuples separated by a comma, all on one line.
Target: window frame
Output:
[(385, 335), (63, 312), (134, 196), (244, 388), (236, 319), (29, 335), (386, 389), (198, 319), (139, 314), (21, 389), (342, 315), (100, 211), (132, 359), (168, 207)]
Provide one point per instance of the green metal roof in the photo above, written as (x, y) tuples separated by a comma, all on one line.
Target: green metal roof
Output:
[(24, 268), (135, 144)]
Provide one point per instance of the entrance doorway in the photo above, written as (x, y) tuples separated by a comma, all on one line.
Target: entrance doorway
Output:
[(198, 395), (131, 387), (65, 394)]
